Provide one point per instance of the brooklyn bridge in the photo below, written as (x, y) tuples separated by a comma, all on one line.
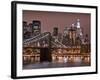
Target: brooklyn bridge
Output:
[(45, 50)]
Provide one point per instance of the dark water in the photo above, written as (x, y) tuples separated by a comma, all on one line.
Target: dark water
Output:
[(54, 65)]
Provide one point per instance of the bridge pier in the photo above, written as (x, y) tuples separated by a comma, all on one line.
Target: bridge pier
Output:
[(45, 55)]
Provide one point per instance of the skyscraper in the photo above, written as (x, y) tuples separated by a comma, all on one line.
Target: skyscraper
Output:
[(65, 39), (26, 30), (55, 31), (36, 27)]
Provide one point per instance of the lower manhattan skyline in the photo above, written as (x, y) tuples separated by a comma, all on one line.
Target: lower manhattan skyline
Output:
[(49, 20), (56, 39)]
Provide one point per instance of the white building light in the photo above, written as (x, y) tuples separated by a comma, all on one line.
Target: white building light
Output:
[(78, 23)]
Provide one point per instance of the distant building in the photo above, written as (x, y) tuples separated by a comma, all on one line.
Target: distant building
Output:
[(24, 26), (79, 31), (72, 35), (30, 27), (36, 27), (65, 38), (65, 32), (60, 37), (26, 30), (55, 31), (78, 23)]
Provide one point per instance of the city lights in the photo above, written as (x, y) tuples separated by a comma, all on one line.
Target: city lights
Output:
[(71, 46)]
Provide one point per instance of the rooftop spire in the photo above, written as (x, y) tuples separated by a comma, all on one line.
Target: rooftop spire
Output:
[(78, 23)]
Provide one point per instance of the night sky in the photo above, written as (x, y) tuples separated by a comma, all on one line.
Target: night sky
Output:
[(49, 20)]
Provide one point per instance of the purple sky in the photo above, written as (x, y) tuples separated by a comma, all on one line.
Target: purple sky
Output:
[(58, 19)]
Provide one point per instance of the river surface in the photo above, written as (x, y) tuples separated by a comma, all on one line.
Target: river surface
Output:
[(54, 65)]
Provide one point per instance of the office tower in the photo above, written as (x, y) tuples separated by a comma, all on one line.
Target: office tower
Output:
[(36, 27), (72, 35), (26, 30), (79, 30), (55, 31), (65, 39), (24, 27)]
